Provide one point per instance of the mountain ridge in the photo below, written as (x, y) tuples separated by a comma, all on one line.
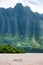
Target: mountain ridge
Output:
[(21, 27), (15, 18)]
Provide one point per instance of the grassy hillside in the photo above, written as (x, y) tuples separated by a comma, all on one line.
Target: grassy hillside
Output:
[(15, 44), (9, 49)]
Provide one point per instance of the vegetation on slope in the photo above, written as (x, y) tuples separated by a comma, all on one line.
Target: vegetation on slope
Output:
[(9, 49), (15, 44)]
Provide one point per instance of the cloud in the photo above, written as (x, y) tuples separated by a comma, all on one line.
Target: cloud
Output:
[(11, 3), (40, 3), (33, 1), (8, 3)]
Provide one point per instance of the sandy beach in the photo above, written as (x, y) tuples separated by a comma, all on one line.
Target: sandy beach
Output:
[(21, 59)]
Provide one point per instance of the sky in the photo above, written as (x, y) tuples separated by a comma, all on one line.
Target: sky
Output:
[(35, 5)]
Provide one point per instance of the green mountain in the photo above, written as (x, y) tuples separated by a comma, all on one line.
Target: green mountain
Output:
[(21, 28)]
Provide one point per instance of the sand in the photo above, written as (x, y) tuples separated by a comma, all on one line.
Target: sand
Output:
[(21, 59)]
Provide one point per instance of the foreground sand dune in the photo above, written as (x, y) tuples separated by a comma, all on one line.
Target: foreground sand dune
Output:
[(21, 59)]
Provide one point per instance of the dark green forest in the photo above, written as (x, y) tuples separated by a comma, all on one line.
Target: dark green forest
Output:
[(21, 30)]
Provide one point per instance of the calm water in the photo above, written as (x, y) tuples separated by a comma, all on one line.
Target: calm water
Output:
[(21, 59)]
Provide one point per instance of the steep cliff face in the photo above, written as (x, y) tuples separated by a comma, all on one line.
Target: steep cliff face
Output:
[(22, 21), (21, 28)]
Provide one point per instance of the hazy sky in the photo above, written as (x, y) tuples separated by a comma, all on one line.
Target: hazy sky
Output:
[(36, 5)]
